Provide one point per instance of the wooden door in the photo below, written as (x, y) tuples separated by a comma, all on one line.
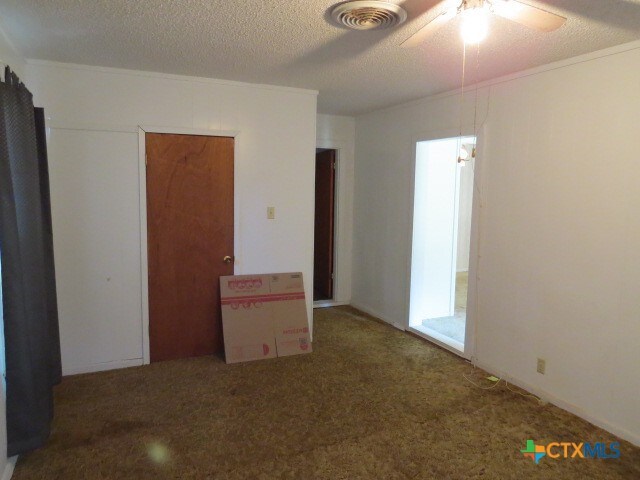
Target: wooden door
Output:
[(324, 227), (190, 231)]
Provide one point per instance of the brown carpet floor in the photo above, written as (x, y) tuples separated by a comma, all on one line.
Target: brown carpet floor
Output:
[(371, 402)]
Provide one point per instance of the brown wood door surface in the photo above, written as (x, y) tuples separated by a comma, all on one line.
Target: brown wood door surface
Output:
[(190, 231), (323, 241)]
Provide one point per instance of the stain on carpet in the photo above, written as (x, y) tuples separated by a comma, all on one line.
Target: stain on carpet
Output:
[(370, 402)]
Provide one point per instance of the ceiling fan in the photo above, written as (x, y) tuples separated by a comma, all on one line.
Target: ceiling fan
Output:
[(475, 17)]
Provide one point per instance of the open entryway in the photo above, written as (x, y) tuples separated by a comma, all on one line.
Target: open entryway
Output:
[(190, 221), (443, 199), (324, 244)]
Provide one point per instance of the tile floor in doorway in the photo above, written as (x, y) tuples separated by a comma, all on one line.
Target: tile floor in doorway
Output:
[(454, 327)]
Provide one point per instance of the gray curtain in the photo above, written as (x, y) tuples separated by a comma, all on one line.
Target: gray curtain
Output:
[(32, 344)]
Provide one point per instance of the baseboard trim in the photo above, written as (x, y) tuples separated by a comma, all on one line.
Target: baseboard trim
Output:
[(374, 313), (549, 397), (101, 367), (328, 303), (9, 467), (440, 340), (560, 403)]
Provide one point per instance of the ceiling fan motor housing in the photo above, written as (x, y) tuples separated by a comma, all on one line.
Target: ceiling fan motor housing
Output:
[(368, 15)]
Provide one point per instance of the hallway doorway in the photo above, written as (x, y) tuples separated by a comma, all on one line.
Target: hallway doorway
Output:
[(324, 237), (443, 199)]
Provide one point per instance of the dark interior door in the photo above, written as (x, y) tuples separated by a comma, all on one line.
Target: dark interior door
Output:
[(324, 225), (190, 231)]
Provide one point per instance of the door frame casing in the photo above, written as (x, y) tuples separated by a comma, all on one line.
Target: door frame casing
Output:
[(472, 297), (338, 147), (142, 177)]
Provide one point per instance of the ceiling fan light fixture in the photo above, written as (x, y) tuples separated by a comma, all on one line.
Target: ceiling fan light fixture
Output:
[(475, 25), (464, 154)]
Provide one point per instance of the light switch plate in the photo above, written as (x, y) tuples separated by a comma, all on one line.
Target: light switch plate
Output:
[(271, 213)]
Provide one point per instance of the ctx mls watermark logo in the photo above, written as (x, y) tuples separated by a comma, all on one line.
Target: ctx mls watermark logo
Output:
[(557, 450)]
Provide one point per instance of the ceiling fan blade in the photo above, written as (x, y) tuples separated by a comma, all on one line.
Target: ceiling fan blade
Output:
[(447, 12), (527, 15)]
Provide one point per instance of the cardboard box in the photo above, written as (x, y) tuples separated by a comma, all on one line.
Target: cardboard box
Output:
[(264, 316)]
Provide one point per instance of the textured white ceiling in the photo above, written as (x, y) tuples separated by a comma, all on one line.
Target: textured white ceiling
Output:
[(292, 43)]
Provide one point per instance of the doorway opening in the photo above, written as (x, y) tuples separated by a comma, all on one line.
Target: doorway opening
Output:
[(443, 199), (324, 236)]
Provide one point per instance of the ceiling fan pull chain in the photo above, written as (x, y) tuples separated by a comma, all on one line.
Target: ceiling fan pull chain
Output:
[(459, 158), (475, 113), (464, 68)]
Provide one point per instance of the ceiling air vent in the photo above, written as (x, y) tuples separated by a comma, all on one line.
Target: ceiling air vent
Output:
[(368, 15)]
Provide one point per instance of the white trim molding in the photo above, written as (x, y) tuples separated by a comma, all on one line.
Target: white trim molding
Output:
[(190, 131), (101, 367), (440, 340), (558, 402), (474, 254), (328, 304), (370, 311), (168, 76), (9, 468), (144, 259), (342, 238), (587, 57)]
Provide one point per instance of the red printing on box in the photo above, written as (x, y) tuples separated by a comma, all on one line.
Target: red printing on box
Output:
[(270, 297)]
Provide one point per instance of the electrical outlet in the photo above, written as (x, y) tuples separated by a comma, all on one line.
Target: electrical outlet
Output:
[(542, 365)]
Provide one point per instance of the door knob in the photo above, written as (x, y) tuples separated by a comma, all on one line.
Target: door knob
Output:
[(227, 259)]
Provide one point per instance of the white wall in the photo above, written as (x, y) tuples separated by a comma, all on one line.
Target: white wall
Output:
[(93, 115), (558, 227), (340, 132), (465, 210), (9, 55)]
